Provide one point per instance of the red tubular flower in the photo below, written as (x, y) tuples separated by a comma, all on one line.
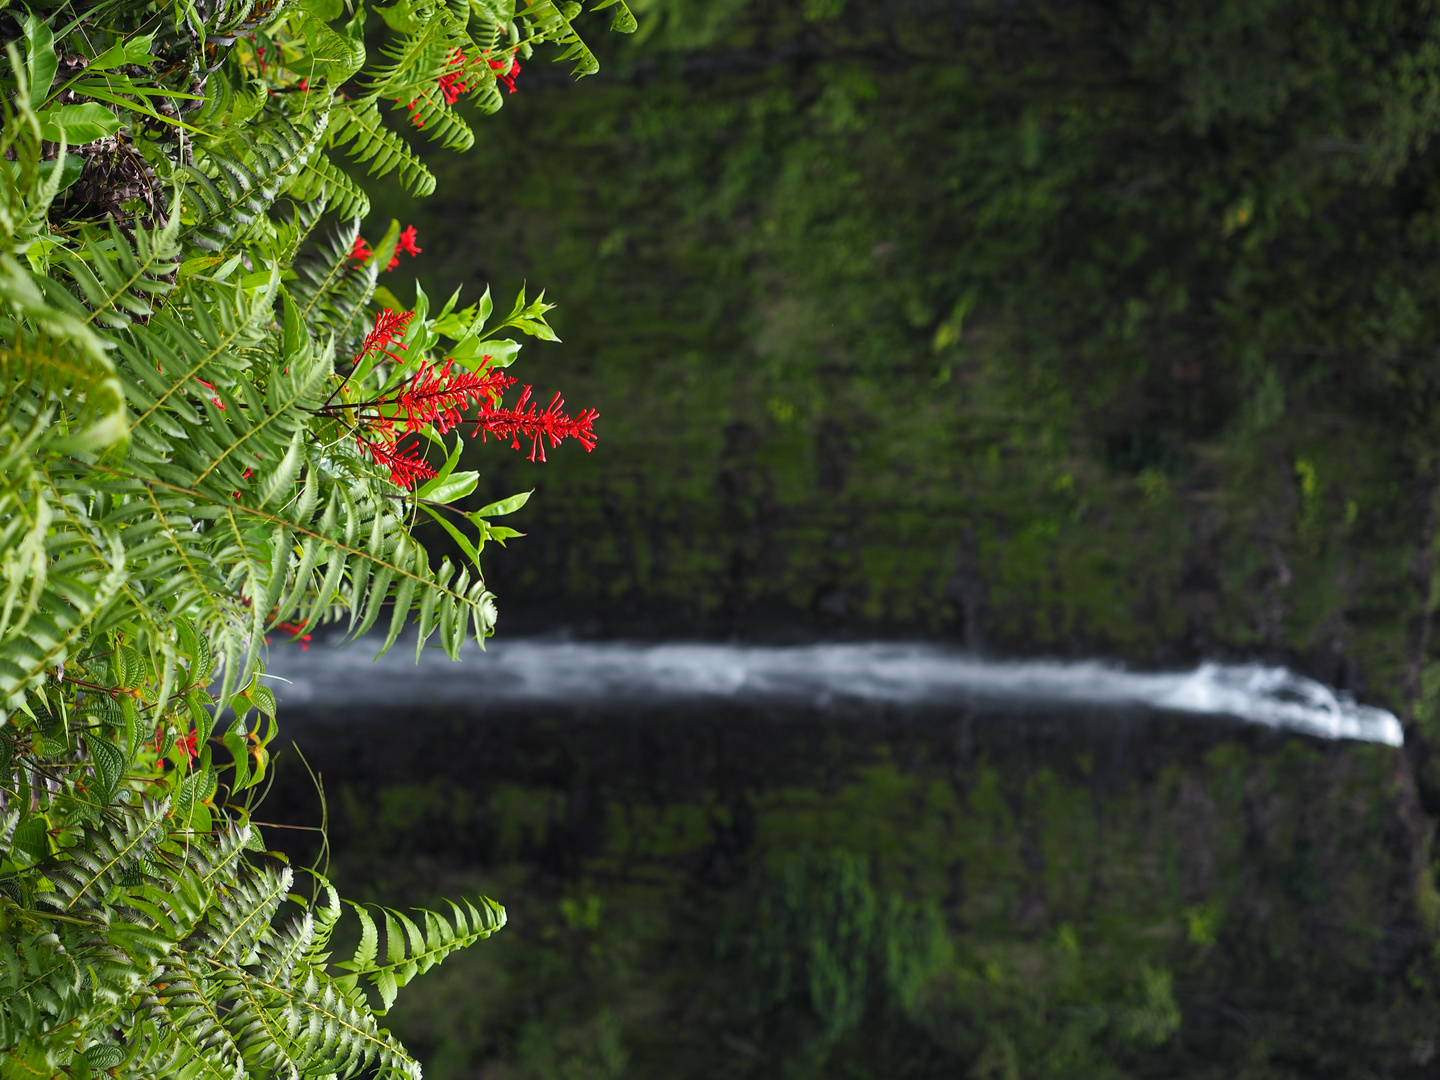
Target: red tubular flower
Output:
[(406, 466), (385, 337), (211, 387), (537, 425), (450, 82), (293, 629), (184, 743), (510, 68), (439, 395), (406, 244)]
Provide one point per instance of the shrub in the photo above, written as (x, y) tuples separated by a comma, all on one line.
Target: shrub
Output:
[(214, 427)]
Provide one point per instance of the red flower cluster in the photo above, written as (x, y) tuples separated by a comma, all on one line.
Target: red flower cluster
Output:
[(385, 336), (184, 743), (452, 84), (510, 71), (537, 425), (432, 396), (407, 467), (439, 396), (406, 244)]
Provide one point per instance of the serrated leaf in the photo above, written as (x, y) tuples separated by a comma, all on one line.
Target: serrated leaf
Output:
[(109, 765)]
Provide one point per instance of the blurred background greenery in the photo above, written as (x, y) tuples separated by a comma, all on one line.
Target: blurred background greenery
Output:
[(1084, 327)]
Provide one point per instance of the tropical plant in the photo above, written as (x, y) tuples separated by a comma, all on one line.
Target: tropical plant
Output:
[(214, 427)]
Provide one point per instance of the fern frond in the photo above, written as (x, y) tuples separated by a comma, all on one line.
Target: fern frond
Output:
[(358, 126), (416, 60), (544, 18), (321, 180), (123, 279), (439, 122), (96, 867), (43, 369), (333, 290), (48, 608), (311, 1027), (239, 189), (411, 950)]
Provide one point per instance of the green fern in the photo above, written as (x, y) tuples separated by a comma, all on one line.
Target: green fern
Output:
[(239, 189), (411, 950), (181, 372), (358, 126)]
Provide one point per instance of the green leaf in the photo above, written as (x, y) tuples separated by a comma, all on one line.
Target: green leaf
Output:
[(81, 123), (450, 488), (240, 754), (31, 838), (503, 506), (328, 54), (476, 353), (135, 50), (401, 17), (104, 1056), (501, 533), (471, 551), (41, 63), (109, 766), (325, 10), (70, 169)]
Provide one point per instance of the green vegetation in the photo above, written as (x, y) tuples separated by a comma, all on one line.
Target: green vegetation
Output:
[(789, 898), (1092, 328), (202, 418), (1089, 328)]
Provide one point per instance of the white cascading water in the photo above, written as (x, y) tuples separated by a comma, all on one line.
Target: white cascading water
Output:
[(594, 673)]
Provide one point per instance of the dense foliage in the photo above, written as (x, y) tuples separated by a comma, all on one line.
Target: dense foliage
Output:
[(1094, 327), (204, 413)]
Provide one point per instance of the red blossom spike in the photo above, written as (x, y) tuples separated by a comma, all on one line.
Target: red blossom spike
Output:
[(439, 395), (407, 467), (451, 83), (361, 251), (407, 242), (385, 337), (510, 69), (537, 425)]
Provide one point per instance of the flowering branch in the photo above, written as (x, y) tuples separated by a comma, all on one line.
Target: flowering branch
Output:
[(407, 467), (537, 425), (385, 337), (453, 82), (407, 245)]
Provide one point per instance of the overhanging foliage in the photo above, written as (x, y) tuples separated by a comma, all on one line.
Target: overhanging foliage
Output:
[(202, 416)]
